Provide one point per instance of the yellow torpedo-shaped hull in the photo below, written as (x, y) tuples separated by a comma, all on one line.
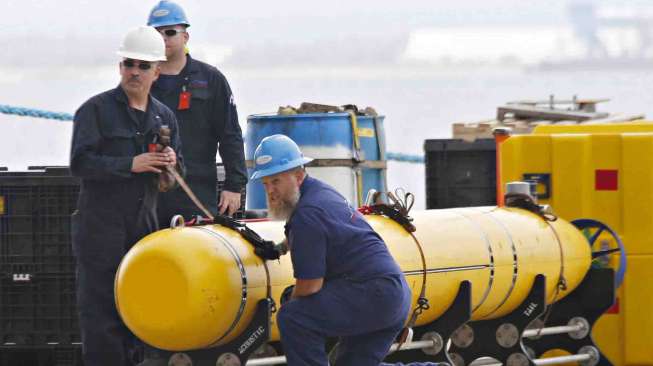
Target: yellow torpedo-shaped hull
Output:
[(195, 287)]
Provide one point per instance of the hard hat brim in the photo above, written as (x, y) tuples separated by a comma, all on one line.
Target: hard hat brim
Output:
[(141, 56), (167, 24), (261, 173)]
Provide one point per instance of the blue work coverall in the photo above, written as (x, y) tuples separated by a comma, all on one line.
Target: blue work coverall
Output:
[(208, 123), (116, 208), (364, 299)]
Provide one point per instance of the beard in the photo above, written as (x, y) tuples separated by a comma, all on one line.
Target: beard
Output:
[(284, 207)]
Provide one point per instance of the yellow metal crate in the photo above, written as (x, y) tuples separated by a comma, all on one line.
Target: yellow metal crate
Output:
[(603, 172), (636, 309), (634, 126)]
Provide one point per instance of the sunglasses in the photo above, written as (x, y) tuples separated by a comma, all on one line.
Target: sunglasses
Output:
[(171, 32), (141, 65)]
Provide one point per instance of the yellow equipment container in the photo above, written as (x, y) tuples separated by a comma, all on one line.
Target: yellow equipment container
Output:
[(634, 126), (195, 287), (603, 172)]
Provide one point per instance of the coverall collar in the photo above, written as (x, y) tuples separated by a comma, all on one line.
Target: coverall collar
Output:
[(305, 185), (121, 97), (190, 67)]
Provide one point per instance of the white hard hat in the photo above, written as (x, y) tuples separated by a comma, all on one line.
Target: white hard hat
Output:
[(143, 43)]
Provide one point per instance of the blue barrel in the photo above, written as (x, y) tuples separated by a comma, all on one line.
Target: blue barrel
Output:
[(329, 139)]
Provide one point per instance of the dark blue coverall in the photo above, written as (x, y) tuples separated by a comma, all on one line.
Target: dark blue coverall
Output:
[(208, 123), (116, 208), (364, 299)]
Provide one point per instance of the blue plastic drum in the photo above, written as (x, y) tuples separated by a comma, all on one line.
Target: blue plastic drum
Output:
[(329, 139)]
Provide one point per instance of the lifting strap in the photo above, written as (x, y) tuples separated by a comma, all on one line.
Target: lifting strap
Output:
[(358, 155), (526, 202), (162, 138), (398, 212), (264, 249)]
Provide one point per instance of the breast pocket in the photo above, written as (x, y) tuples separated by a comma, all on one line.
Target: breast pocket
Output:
[(120, 142), (200, 100), (200, 94), (199, 114)]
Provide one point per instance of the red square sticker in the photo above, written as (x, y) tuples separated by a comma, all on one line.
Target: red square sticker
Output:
[(607, 180)]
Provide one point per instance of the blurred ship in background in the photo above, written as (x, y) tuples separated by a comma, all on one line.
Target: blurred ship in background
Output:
[(594, 35), (611, 37)]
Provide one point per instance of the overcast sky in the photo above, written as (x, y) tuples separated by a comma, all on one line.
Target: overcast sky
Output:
[(234, 21), (79, 29), (94, 16)]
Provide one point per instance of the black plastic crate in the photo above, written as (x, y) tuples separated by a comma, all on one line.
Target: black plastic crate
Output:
[(35, 209), (41, 356), (38, 310), (460, 173), (37, 268), (35, 222)]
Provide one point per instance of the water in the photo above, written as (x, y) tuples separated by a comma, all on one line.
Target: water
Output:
[(419, 103)]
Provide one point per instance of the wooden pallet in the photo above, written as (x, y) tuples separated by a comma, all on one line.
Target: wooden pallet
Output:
[(523, 116)]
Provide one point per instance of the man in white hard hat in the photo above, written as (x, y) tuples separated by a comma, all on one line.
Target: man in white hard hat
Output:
[(120, 152), (202, 100)]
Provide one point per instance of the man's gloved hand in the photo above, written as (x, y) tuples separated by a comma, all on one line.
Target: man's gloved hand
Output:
[(271, 251), (286, 294), (282, 247)]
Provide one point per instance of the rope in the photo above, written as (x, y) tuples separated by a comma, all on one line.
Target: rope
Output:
[(268, 288), (526, 202), (38, 113), (422, 300), (29, 112), (397, 209), (405, 158), (562, 281), (403, 201)]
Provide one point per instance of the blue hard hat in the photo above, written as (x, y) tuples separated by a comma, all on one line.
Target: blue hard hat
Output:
[(167, 13), (276, 154)]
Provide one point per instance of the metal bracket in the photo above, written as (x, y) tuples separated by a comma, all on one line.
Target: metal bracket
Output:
[(458, 313), (500, 338), (594, 296)]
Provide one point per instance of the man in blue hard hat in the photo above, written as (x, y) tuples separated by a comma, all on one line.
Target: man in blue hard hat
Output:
[(119, 153), (204, 105), (347, 284)]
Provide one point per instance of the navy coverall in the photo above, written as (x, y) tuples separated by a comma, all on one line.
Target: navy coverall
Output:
[(364, 299), (116, 208), (208, 123)]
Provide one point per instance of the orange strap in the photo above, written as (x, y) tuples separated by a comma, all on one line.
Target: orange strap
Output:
[(499, 138)]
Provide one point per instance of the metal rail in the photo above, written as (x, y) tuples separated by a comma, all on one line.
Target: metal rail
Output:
[(562, 359), (404, 347), (413, 345), (480, 362), (539, 362), (532, 333), (267, 361)]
